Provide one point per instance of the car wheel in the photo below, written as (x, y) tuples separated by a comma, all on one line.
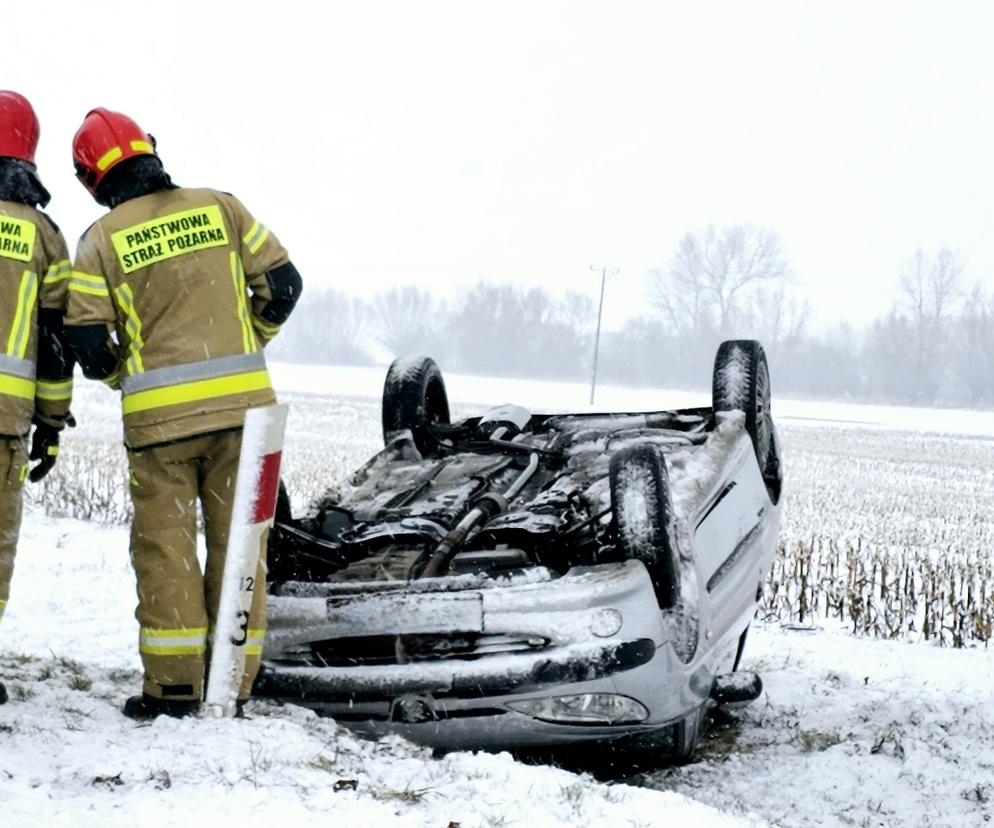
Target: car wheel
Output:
[(642, 517), (741, 382), (414, 398)]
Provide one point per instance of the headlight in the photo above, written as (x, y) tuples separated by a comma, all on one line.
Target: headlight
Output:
[(584, 708), (605, 623)]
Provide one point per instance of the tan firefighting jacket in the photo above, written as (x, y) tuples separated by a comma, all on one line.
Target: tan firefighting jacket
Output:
[(178, 277), (34, 272)]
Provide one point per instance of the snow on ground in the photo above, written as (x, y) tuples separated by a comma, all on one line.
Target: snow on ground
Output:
[(69, 758), (853, 732), (848, 731)]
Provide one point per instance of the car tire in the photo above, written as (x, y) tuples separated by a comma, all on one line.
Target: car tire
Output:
[(642, 517), (414, 398), (741, 382)]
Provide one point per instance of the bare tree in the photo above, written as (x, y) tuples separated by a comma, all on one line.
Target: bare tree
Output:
[(576, 311), (410, 320), (779, 320), (505, 330), (717, 286), (326, 327), (972, 347), (932, 294), (933, 288), (890, 374), (712, 278)]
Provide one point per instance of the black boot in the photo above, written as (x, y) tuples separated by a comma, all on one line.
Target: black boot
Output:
[(3, 694), (145, 707)]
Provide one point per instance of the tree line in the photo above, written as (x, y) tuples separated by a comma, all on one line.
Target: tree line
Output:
[(935, 345)]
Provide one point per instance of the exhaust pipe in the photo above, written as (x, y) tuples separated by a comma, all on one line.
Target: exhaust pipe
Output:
[(488, 505)]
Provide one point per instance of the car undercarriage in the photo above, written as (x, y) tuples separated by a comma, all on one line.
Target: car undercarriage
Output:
[(529, 579)]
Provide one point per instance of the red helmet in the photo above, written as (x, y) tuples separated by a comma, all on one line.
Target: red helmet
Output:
[(18, 127), (103, 141)]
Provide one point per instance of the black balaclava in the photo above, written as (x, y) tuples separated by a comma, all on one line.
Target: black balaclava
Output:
[(133, 177), (19, 182)]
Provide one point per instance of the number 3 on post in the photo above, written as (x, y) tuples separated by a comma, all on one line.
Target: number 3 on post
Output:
[(252, 515)]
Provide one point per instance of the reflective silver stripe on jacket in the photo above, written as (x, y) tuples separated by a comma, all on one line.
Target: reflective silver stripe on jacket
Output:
[(17, 367), (193, 371)]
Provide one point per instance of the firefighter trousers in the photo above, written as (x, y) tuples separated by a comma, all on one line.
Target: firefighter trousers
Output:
[(177, 603), (13, 470)]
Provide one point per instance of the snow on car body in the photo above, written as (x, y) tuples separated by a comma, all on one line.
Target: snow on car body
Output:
[(522, 580)]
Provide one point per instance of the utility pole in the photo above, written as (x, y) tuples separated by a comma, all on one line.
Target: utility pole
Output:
[(597, 338)]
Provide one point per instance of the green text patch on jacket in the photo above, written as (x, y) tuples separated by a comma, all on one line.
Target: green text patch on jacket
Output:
[(173, 235), (17, 238), (35, 381), (187, 332)]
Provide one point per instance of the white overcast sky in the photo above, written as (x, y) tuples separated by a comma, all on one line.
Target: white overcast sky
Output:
[(438, 143)]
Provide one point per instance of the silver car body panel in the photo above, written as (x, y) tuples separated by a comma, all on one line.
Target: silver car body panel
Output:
[(547, 631)]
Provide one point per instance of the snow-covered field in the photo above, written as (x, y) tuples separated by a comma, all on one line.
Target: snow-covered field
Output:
[(848, 732)]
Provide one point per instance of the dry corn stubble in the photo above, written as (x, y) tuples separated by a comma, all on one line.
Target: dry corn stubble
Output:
[(889, 532)]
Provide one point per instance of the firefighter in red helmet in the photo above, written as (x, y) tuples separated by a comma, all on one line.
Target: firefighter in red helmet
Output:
[(174, 294), (35, 365)]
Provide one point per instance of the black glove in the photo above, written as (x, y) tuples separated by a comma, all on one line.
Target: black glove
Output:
[(44, 447)]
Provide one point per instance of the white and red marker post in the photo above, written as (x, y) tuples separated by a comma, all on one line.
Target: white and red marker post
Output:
[(252, 514)]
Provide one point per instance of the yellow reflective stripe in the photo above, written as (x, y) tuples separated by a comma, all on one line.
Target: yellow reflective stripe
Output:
[(17, 387), (88, 283), (28, 314), (58, 272), (93, 279), (238, 279), (264, 327), (180, 649), (76, 288), (254, 238), (109, 158), (23, 473), (253, 642), (175, 632), (196, 391), (192, 641), (172, 649), (142, 146), (61, 390), (255, 247), (133, 325), (20, 330), (3, 606)]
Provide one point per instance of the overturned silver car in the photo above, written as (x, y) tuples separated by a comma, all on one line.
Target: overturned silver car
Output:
[(519, 579)]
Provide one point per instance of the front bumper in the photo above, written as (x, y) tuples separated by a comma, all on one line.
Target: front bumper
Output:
[(463, 701)]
